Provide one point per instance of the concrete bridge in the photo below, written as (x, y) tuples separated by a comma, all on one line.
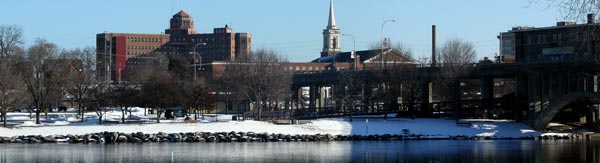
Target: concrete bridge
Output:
[(542, 90)]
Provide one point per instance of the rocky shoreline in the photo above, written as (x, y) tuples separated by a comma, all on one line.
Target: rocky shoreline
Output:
[(223, 137)]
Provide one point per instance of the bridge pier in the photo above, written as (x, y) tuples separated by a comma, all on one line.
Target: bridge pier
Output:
[(311, 97), (487, 93), (426, 95), (487, 88)]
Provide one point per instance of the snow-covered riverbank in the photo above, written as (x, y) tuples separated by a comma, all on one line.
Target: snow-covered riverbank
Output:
[(60, 125)]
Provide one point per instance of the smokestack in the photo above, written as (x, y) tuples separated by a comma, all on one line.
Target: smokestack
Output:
[(590, 18), (433, 47)]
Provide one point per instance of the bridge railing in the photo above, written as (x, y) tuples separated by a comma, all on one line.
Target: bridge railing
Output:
[(479, 108), (570, 58)]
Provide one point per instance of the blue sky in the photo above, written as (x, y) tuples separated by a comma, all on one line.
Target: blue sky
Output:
[(291, 27)]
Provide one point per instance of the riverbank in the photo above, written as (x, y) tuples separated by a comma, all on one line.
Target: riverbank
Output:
[(222, 137), (367, 125)]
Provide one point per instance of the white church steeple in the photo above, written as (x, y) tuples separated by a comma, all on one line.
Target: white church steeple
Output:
[(331, 35), (331, 24)]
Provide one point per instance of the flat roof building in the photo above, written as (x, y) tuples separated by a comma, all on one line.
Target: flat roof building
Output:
[(179, 40), (545, 44)]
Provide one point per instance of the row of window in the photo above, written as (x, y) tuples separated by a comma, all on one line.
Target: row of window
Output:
[(304, 68), (199, 40), (143, 39), (555, 38), (135, 53), (141, 47)]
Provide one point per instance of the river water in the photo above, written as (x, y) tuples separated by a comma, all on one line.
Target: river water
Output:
[(360, 151)]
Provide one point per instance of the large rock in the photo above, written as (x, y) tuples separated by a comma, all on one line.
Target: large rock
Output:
[(34, 140), (244, 139), (136, 140), (121, 139), (211, 139), (114, 137), (140, 135)]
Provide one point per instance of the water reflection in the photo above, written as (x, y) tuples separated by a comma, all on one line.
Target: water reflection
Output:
[(365, 151)]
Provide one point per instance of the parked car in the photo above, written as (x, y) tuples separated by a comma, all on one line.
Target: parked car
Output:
[(175, 112)]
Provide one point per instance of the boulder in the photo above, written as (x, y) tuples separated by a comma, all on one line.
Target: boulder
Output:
[(140, 135), (114, 136), (34, 140), (121, 139), (136, 140)]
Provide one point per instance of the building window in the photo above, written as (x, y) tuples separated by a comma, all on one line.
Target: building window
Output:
[(571, 37)]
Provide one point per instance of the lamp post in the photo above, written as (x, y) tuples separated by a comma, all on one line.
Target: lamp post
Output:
[(107, 67), (383, 39), (195, 53), (353, 55)]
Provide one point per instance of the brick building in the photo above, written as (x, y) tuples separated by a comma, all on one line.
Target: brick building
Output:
[(126, 49), (565, 40)]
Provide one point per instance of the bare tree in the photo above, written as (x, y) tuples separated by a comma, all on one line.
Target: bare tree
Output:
[(226, 86), (456, 56), (261, 79), (196, 97), (11, 37), (12, 92), (348, 92), (102, 99), (160, 92), (80, 81), (126, 96), (40, 74), (575, 9), (399, 62)]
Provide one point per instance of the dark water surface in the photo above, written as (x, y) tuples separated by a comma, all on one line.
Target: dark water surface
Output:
[(507, 151)]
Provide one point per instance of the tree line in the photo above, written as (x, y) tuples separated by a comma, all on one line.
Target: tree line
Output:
[(43, 76)]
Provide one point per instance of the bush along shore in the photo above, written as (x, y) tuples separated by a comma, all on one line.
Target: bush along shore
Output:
[(208, 137)]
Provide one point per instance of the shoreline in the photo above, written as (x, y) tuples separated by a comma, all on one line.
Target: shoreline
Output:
[(395, 128), (229, 137)]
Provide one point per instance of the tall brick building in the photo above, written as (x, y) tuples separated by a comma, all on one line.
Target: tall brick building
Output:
[(180, 39)]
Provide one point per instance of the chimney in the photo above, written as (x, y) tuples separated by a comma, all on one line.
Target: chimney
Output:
[(590, 18), (433, 47)]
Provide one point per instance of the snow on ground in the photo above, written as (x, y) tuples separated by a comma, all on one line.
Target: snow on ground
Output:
[(66, 123)]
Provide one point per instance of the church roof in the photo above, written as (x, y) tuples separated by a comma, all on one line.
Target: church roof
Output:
[(181, 14), (365, 56)]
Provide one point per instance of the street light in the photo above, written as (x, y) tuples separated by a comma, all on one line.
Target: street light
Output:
[(353, 50), (383, 39), (196, 53)]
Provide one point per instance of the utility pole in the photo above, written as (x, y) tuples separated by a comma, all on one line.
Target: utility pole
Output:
[(352, 55), (383, 40), (195, 53)]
